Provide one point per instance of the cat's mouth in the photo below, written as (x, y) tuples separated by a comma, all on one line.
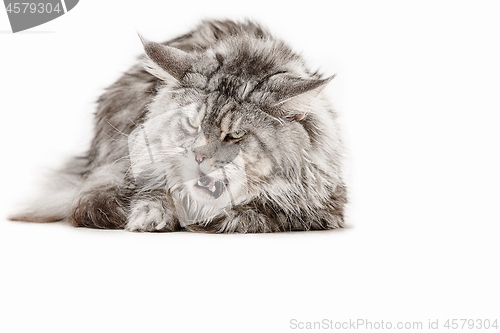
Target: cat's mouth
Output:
[(210, 185)]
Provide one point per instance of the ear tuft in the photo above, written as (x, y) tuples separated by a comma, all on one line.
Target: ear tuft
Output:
[(298, 97), (165, 62)]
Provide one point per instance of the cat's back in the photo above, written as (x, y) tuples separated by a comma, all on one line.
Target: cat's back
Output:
[(208, 33)]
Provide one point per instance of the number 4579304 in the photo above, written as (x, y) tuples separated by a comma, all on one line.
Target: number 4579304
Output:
[(470, 324), (27, 7)]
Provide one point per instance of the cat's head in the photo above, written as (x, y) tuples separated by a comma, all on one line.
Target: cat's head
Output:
[(230, 121)]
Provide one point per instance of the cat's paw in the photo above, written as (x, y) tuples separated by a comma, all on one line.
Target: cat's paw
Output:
[(242, 221), (149, 216), (100, 209)]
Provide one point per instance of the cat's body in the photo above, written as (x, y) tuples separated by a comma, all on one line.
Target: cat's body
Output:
[(220, 130)]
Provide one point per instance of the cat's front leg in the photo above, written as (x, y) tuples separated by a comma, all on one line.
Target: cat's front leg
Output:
[(103, 199), (260, 217), (239, 220), (152, 211)]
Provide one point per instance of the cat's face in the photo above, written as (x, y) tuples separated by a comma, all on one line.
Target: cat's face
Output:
[(210, 161), (215, 150)]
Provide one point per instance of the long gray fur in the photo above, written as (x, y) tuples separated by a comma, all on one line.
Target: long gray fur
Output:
[(284, 174)]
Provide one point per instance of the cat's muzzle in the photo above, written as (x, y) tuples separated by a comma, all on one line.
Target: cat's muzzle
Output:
[(213, 187)]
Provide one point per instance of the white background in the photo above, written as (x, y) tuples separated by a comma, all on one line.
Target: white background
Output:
[(417, 88)]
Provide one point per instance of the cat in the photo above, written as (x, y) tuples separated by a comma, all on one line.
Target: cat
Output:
[(221, 130)]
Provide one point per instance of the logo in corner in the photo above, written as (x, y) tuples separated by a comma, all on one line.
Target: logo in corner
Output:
[(27, 14)]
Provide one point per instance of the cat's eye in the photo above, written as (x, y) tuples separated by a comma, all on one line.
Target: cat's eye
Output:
[(236, 134), (192, 123)]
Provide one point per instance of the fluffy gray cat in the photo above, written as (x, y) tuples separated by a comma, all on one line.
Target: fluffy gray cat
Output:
[(223, 129)]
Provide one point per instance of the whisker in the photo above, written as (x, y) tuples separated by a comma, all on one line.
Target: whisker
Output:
[(117, 130)]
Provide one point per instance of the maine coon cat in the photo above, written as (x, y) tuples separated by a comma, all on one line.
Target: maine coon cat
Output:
[(223, 129)]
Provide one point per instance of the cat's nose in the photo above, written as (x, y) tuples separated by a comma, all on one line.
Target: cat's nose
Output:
[(199, 157)]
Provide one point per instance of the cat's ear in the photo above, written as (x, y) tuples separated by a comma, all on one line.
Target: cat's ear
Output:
[(165, 62), (297, 97)]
